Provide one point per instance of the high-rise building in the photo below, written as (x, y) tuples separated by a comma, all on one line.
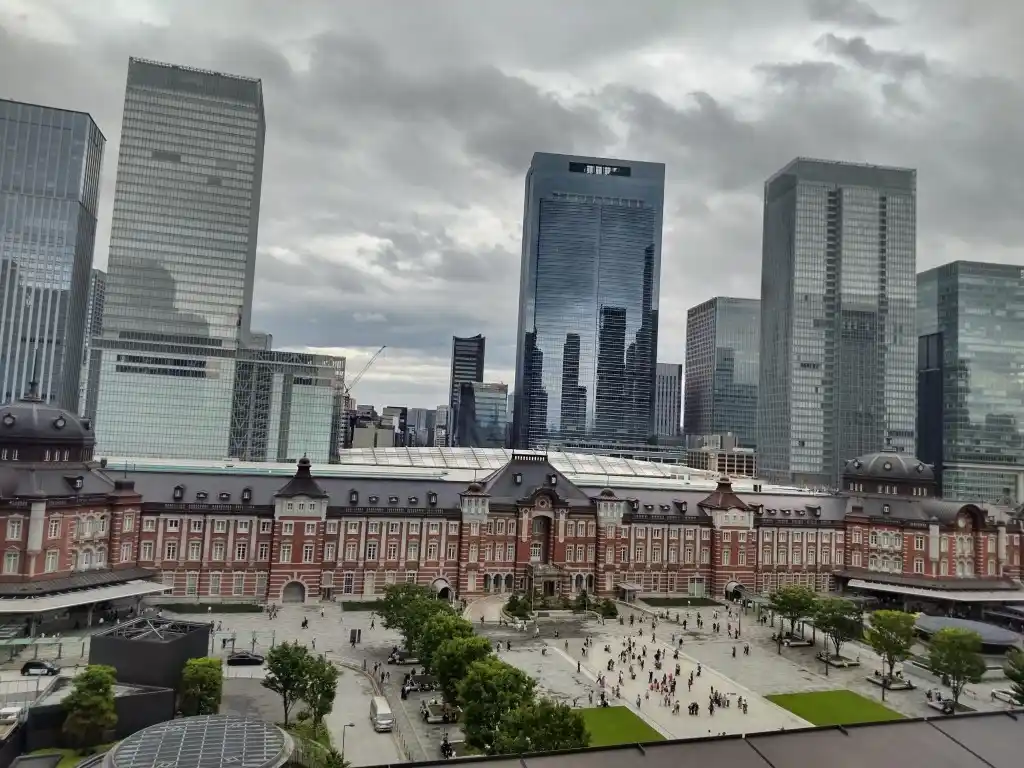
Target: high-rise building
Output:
[(588, 302), (93, 327), (838, 334), (49, 195), (481, 418), (182, 262), (668, 399), (286, 405), (970, 358), (722, 350), (467, 365)]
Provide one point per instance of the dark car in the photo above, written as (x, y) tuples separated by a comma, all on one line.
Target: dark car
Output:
[(244, 659), (39, 669)]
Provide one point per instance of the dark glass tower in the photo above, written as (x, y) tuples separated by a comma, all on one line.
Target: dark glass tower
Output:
[(49, 189), (588, 301), (467, 366), (970, 321), (722, 368)]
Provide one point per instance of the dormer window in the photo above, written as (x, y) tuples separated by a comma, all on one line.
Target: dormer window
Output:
[(224, 496), (414, 500), (517, 478), (684, 506), (772, 511), (635, 503), (885, 509), (374, 499), (179, 492), (246, 495), (648, 506), (665, 507), (202, 495), (787, 512), (801, 512), (392, 499), (432, 499), (353, 497), (552, 479), (77, 482)]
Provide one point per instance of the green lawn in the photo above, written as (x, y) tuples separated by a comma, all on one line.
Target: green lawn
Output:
[(609, 726), (834, 707)]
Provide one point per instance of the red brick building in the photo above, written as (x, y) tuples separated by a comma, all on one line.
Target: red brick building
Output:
[(229, 531)]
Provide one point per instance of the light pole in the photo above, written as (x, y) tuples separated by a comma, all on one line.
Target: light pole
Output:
[(344, 728)]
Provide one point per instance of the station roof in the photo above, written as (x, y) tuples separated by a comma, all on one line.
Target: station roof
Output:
[(990, 633), (983, 740)]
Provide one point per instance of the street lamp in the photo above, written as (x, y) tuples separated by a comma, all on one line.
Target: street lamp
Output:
[(344, 728)]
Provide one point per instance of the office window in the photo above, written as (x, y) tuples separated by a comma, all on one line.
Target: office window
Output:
[(285, 554), (218, 550), (264, 551), (432, 552), (241, 550), (53, 560), (307, 553), (196, 526), (147, 551), (214, 587), (238, 588), (242, 526), (266, 526), (371, 550), (54, 527), (14, 529), (452, 553), (311, 529), (332, 527), (350, 551), (195, 550), (288, 528), (171, 551)]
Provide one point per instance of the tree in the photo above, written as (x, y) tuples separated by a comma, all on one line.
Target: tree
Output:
[(794, 603), (331, 758), (839, 620), (489, 692), (1014, 669), (541, 726), (90, 707), (891, 635), (407, 607), (955, 654), (436, 631), (319, 688), (287, 666), (453, 659), (202, 684)]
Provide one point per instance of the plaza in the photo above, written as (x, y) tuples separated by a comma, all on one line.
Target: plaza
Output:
[(562, 673)]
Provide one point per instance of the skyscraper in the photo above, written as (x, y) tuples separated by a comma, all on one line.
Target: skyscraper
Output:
[(93, 328), (49, 194), (481, 418), (182, 261), (722, 351), (668, 399), (467, 365), (588, 301), (971, 379), (838, 335)]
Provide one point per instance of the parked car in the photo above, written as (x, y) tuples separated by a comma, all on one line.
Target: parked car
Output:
[(1004, 695), (245, 659), (39, 669)]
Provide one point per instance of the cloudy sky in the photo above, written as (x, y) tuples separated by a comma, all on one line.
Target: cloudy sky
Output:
[(399, 132)]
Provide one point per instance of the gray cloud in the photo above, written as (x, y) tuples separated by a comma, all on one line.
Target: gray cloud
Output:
[(849, 13), (399, 134)]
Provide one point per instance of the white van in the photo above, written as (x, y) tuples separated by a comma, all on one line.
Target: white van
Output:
[(381, 717)]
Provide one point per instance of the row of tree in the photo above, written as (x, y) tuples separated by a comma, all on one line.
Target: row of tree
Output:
[(954, 654), (501, 712)]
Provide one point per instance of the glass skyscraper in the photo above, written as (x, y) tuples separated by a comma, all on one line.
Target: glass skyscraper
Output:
[(49, 191), (482, 415), (722, 351), (970, 322), (668, 399), (838, 333), (182, 261), (93, 328), (588, 302), (467, 365)]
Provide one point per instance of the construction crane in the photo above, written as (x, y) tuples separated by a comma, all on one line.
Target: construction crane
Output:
[(358, 376)]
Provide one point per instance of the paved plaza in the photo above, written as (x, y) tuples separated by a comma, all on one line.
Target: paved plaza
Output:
[(562, 673)]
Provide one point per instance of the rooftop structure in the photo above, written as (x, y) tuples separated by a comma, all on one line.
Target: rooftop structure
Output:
[(982, 740), (207, 740), (153, 629)]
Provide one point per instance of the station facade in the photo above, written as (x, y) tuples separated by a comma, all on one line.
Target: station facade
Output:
[(205, 531)]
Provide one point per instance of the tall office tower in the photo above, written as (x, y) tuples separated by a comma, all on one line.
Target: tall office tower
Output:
[(668, 399), (970, 387), (481, 420), (467, 365), (722, 350), (838, 335), (93, 327), (49, 191), (182, 258), (588, 302)]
